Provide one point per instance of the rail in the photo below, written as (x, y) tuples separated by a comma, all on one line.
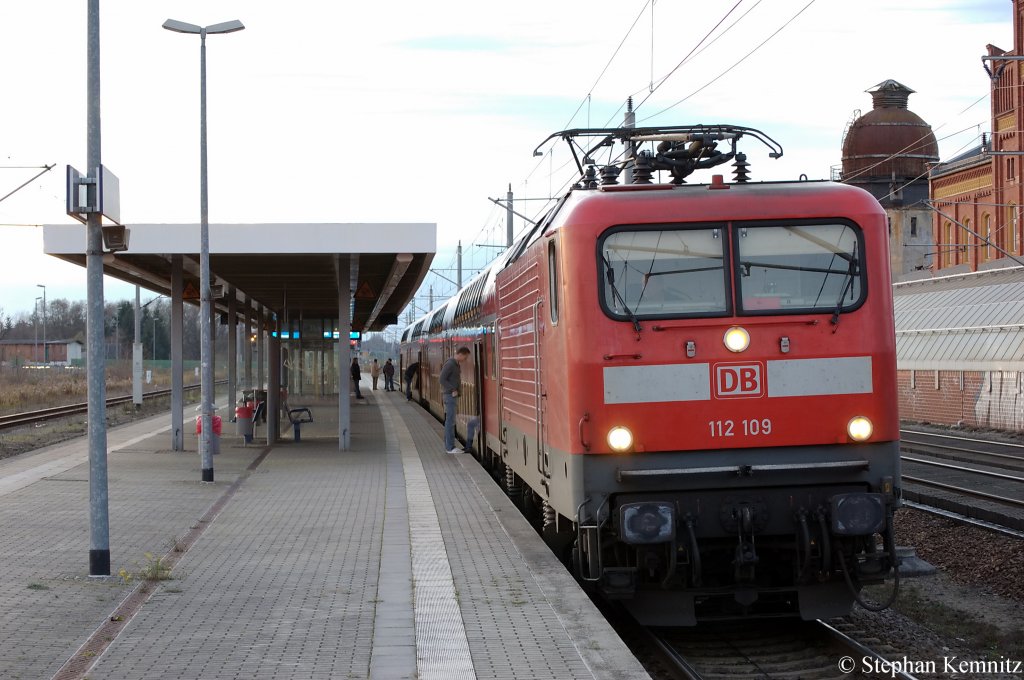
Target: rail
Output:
[(42, 415), (767, 650)]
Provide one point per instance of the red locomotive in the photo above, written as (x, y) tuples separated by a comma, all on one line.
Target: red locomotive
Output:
[(690, 387)]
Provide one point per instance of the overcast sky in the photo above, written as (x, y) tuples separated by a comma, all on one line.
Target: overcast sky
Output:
[(331, 111)]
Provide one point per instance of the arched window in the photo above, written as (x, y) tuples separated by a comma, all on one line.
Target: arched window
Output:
[(965, 238), (1012, 224), (986, 231), (946, 245)]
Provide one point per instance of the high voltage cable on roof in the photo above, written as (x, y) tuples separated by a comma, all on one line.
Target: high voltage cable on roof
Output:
[(610, 60)]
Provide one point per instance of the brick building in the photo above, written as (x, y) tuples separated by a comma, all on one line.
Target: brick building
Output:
[(980, 193), (63, 352), (960, 334)]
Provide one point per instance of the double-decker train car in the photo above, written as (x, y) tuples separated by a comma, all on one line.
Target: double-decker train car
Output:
[(689, 387)]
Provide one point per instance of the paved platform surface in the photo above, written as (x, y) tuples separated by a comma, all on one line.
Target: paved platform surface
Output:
[(390, 560)]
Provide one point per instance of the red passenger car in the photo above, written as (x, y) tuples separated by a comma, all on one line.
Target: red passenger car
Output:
[(690, 387)]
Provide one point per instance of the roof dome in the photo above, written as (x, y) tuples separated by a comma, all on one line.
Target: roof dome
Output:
[(890, 140)]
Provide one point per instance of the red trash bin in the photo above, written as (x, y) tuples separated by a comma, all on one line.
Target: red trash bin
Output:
[(243, 422)]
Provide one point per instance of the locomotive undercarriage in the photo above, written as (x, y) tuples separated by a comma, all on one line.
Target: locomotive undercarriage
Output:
[(676, 558), (799, 539)]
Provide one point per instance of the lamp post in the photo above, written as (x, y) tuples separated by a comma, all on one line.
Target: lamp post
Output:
[(45, 358), (206, 349), (35, 322)]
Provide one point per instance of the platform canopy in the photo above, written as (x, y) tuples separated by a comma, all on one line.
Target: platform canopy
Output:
[(290, 269)]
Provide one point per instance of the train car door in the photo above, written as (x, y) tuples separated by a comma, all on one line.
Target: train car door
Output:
[(500, 392), (478, 393)]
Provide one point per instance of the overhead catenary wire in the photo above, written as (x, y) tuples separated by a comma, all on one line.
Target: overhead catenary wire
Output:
[(734, 65)]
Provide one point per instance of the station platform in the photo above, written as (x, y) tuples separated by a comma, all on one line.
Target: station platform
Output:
[(391, 560)]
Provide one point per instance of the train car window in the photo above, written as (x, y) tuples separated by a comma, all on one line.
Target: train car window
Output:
[(799, 268), (553, 281), (667, 272)]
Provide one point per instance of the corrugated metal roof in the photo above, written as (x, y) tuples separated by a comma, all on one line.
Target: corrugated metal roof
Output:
[(963, 322)]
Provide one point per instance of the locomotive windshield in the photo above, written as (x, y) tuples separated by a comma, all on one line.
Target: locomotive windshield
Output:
[(661, 273), (806, 268), (678, 272)]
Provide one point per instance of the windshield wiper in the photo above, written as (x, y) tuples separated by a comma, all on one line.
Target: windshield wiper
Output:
[(851, 272), (610, 276)]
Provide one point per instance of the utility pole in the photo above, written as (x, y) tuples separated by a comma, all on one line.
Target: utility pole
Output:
[(508, 217), (458, 270), (137, 353), (99, 518), (46, 358), (629, 122)]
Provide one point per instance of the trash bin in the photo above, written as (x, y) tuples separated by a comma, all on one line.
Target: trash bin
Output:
[(214, 438), (243, 423)]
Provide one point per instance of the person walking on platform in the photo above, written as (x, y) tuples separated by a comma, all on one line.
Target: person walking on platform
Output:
[(389, 376), (375, 373), (451, 383), (410, 372), (356, 376)]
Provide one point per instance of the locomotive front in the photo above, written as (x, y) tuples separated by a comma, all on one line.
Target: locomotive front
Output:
[(734, 362)]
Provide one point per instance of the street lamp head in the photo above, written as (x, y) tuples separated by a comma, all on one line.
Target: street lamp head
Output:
[(182, 27), (223, 27)]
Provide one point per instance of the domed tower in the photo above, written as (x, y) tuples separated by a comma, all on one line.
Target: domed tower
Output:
[(887, 152), (890, 142)]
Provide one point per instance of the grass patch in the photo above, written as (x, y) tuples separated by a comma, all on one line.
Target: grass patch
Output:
[(155, 569), (38, 586)]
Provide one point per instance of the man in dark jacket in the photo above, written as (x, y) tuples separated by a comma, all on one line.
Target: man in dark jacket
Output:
[(451, 384), (389, 376), (356, 375), (410, 373)]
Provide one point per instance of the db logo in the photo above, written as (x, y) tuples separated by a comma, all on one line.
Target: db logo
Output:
[(739, 381)]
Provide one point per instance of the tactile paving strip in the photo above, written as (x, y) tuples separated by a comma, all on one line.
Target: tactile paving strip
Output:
[(442, 650)]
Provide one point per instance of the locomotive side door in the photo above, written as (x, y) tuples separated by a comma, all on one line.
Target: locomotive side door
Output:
[(543, 458)]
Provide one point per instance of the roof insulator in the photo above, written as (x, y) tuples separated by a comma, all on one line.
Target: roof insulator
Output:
[(643, 169), (589, 179), (742, 172), (610, 174)]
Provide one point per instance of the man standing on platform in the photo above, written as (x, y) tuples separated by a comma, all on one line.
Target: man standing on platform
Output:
[(389, 376), (356, 376), (410, 373), (451, 383), (375, 373)]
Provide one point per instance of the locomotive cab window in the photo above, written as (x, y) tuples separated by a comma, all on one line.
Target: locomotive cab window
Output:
[(666, 272), (799, 268)]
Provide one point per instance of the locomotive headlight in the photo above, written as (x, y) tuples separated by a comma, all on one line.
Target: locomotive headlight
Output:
[(620, 439), (736, 339), (859, 428)]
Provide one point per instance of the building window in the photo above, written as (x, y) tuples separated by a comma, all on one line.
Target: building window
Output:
[(1011, 224), (913, 226), (1011, 164), (946, 245), (986, 228)]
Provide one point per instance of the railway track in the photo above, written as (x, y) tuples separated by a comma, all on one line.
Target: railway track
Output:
[(810, 650), (972, 480), (32, 417)]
